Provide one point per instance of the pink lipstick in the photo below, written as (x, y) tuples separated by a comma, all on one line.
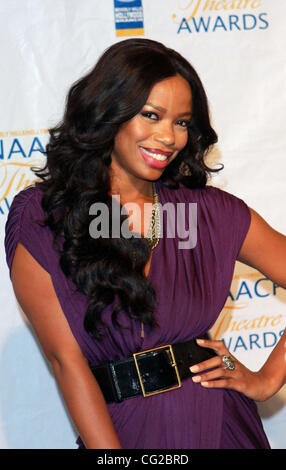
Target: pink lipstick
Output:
[(156, 158)]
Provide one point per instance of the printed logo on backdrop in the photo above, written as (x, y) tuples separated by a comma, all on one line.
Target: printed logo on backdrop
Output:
[(129, 20), (19, 151), (209, 16), (253, 318)]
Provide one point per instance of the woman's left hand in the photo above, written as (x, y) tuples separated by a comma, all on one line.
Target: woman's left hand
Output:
[(227, 372)]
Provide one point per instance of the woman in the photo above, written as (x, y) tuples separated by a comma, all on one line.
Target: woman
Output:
[(136, 128)]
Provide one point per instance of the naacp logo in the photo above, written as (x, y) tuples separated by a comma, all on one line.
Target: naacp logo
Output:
[(253, 317), (128, 15), (19, 152)]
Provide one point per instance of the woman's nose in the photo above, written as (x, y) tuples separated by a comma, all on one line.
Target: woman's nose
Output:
[(165, 134)]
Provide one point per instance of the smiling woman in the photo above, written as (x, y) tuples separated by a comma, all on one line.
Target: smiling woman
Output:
[(150, 141), (117, 316)]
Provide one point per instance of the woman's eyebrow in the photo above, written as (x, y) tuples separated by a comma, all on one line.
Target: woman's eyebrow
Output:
[(159, 108), (163, 110)]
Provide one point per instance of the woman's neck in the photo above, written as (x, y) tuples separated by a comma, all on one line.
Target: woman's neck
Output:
[(131, 189)]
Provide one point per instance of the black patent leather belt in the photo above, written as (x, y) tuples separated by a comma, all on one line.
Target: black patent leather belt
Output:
[(149, 372)]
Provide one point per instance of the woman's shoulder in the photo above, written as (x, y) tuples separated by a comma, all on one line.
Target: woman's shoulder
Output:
[(221, 217), (24, 224), (28, 200), (208, 195), (25, 210), (218, 197), (219, 209)]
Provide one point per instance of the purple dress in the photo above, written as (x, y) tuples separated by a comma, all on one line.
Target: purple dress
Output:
[(192, 286)]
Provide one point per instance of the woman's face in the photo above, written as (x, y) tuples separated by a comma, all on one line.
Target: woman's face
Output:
[(145, 145)]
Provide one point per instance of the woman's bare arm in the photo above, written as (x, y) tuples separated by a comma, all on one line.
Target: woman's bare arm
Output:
[(35, 293), (265, 250)]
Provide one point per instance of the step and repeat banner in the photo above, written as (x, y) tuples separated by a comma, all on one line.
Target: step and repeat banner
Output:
[(238, 48)]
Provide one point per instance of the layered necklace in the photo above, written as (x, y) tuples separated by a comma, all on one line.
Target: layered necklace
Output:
[(153, 234)]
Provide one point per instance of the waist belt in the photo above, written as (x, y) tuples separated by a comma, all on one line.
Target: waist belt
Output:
[(149, 372)]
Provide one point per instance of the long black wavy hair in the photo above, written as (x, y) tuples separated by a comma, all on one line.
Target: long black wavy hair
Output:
[(76, 174)]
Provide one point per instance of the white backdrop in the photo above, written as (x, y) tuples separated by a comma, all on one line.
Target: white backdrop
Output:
[(238, 48)]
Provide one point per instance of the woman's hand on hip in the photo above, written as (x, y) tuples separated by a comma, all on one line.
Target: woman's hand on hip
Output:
[(225, 371)]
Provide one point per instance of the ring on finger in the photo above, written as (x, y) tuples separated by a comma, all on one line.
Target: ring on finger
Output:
[(228, 362)]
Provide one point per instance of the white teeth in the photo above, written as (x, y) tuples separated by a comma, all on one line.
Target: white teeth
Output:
[(157, 156)]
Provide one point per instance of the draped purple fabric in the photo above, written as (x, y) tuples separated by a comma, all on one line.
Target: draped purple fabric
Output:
[(192, 286)]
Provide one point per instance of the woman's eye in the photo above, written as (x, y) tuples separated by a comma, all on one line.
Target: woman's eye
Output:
[(184, 122), (150, 115)]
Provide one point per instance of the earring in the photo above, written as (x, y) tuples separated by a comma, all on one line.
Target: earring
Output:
[(184, 169)]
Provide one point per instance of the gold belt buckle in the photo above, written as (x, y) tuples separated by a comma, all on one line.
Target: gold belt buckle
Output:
[(172, 362)]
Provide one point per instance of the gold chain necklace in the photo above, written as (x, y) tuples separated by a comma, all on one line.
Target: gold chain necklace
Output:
[(153, 234)]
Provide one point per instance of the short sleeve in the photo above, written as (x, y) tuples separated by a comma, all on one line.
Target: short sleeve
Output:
[(233, 219), (23, 225), (242, 223)]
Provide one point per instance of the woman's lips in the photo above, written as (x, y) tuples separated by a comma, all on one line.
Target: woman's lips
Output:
[(156, 158)]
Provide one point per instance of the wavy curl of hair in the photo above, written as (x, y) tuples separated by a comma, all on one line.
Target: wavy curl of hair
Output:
[(76, 174)]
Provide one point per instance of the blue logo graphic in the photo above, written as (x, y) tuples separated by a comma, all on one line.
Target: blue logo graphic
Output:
[(129, 20), (19, 152)]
